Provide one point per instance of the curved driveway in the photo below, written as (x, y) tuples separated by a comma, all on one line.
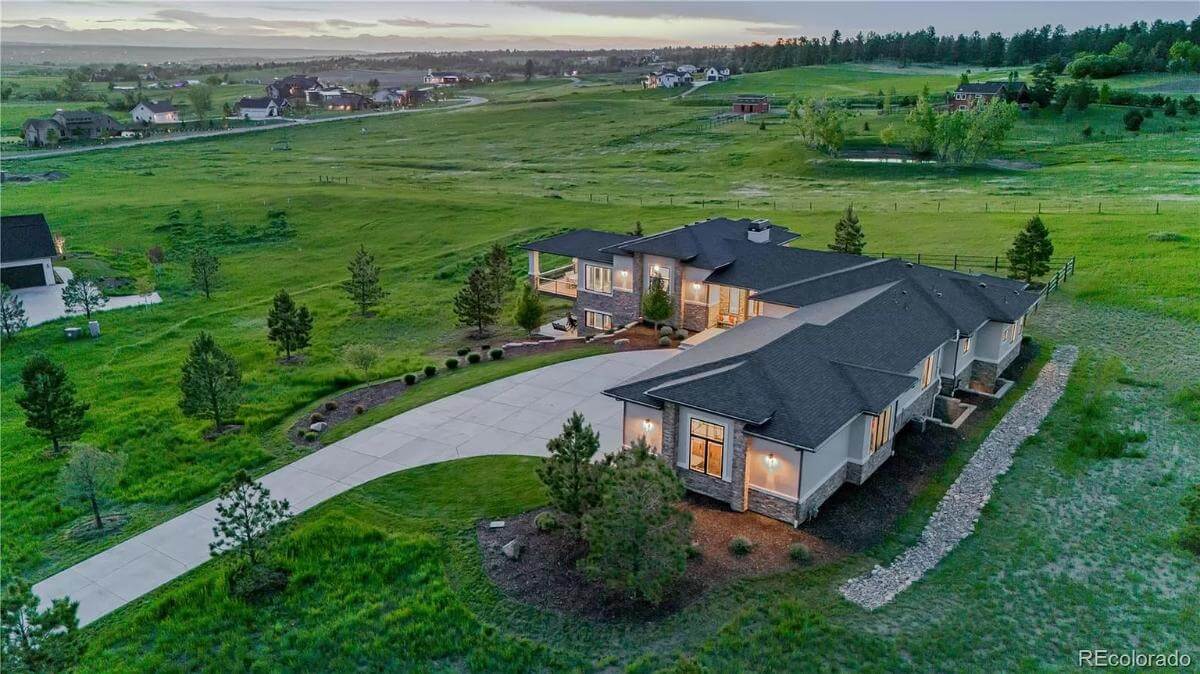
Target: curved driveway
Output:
[(514, 415)]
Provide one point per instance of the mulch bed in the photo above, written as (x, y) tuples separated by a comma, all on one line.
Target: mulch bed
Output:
[(85, 529), (347, 404)]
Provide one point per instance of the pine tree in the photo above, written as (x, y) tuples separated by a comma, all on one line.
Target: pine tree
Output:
[(656, 303), (211, 382), (33, 640), (637, 229), (499, 271), (568, 473), (48, 398), (1031, 251), (89, 476), (363, 287), (83, 294), (847, 235), (246, 513), (12, 313), (475, 304), (288, 326), (204, 271), (530, 311)]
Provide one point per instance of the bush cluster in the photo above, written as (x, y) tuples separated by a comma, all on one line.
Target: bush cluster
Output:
[(496, 354), (451, 363), (740, 546), (473, 358), (410, 379), (430, 370)]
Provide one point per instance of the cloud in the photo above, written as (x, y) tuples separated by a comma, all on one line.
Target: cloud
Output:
[(407, 22), (243, 24), (346, 23)]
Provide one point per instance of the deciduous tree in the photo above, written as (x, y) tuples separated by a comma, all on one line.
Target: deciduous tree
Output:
[(475, 304), (362, 357), (200, 98), (205, 267), (569, 474), (211, 383), (288, 325), (83, 294), (848, 236), (246, 513), (1031, 250), (363, 287), (12, 313), (89, 476), (48, 398)]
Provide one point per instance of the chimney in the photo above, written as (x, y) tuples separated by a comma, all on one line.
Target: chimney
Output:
[(759, 231)]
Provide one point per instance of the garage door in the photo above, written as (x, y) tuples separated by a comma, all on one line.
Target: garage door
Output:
[(23, 277)]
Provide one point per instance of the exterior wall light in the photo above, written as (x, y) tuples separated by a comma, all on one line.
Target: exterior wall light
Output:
[(772, 461), (647, 425)]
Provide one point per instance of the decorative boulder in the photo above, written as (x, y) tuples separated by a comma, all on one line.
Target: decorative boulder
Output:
[(319, 427), (512, 549)]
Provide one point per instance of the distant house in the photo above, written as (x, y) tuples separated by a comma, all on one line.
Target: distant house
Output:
[(292, 86), (751, 104), (260, 108), (69, 125), (155, 112), (685, 68), (981, 93), (400, 98), (27, 251), (442, 78), (319, 94), (667, 79), (716, 74), (347, 100)]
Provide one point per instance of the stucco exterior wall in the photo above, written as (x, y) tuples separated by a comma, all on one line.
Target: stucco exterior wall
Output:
[(773, 467), (634, 425)]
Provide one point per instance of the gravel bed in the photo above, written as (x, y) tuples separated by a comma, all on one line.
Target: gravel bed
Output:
[(959, 509)]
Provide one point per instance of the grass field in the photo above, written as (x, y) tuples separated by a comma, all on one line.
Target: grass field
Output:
[(426, 193)]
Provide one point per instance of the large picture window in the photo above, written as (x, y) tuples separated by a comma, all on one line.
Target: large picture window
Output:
[(597, 320), (881, 429), (663, 273), (707, 448), (696, 292), (598, 279)]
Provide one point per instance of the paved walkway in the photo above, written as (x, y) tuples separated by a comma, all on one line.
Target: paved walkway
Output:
[(176, 137), (960, 508), (514, 415), (45, 303)]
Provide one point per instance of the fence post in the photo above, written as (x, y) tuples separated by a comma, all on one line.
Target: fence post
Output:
[(1156, 208), (985, 207), (956, 262), (996, 264), (1098, 209), (939, 206), (1039, 208), (918, 258)]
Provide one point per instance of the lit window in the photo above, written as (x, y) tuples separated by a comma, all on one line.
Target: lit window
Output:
[(598, 279), (707, 448), (881, 429), (623, 280), (927, 373), (662, 273), (597, 320), (756, 308), (966, 344), (697, 292)]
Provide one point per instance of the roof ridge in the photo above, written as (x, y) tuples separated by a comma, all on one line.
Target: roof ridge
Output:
[(937, 306), (827, 274)]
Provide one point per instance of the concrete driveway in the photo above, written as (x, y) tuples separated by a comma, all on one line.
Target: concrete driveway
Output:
[(514, 415), (45, 303)]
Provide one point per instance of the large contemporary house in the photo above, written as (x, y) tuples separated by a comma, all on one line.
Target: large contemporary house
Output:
[(967, 96), (27, 251), (66, 125), (808, 362)]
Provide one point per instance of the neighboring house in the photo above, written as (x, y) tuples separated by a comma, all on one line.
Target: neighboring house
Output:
[(292, 86), (69, 125), (812, 361), (716, 74), (442, 78), (347, 100), (155, 112), (259, 108), (401, 98), (319, 95), (749, 104), (685, 68), (27, 251), (982, 93), (667, 79)]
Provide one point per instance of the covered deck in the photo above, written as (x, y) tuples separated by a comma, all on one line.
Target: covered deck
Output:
[(580, 244)]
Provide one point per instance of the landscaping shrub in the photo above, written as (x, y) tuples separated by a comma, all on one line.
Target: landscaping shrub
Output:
[(693, 551), (451, 363), (430, 370), (664, 341), (473, 358), (463, 351), (410, 379), (545, 521), (665, 331), (310, 435), (315, 417), (359, 409), (331, 405), (800, 553), (740, 546), (496, 354), (681, 334)]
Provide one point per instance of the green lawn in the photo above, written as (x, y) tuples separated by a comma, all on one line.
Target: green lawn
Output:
[(848, 80), (426, 193)]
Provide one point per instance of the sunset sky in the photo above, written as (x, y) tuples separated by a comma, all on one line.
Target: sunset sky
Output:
[(378, 26)]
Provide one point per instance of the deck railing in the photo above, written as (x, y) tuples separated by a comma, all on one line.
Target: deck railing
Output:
[(556, 282)]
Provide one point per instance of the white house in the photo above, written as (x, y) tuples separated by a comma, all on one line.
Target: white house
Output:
[(27, 251), (259, 108), (685, 68), (715, 74), (441, 78), (155, 112)]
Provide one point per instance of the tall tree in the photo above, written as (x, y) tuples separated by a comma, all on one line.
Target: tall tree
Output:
[(568, 473), (529, 311), (1031, 250), (499, 270), (363, 287), (656, 303), (35, 640), (528, 69), (48, 398), (200, 98), (83, 294), (288, 325), (1044, 85), (637, 534), (475, 304), (246, 513), (210, 387), (848, 236), (89, 476), (205, 266), (12, 313)]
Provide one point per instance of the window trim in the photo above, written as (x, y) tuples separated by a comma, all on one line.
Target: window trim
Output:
[(708, 443), (587, 319), (587, 278), (965, 344), (663, 269)]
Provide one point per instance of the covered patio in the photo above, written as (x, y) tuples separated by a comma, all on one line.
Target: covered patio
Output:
[(562, 280)]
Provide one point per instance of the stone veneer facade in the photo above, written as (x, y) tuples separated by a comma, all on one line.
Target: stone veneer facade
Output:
[(979, 371), (735, 492)]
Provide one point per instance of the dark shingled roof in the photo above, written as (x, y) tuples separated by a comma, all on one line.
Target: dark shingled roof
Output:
[(705, 244), (261, 102), (759, 267), (25, 237), (586, 244), (982, 88), (159, 106)]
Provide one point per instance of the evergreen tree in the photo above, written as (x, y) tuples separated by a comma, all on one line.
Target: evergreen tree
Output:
[(89, 476), (210, 387), (83, 294), (1190, 105), (637, 534), (637, 229), (847, 235), (528, 69), (568, 473), (204, 271), (246, 513), (288, 326), (475, 304), (48, 398), (499, 271), (1044, 85), (363, 287), (34, 640), (1031, 250), (12, 313), (656, 303), (530, 311)]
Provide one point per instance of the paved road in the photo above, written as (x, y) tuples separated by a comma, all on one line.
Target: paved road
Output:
[(173, 138), (45, 303), (514, 415)]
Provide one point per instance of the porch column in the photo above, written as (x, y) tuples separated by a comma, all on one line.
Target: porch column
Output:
[(535, 266)]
